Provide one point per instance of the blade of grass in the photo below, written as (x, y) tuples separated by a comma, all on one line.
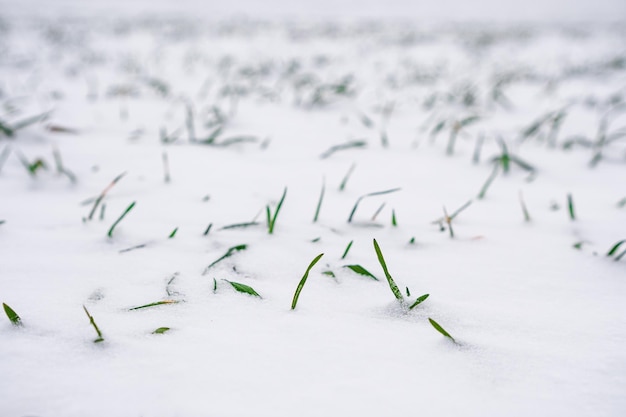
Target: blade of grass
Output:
[(95, 326), (392, 284), (12, 315), (161, 330), (296, 295), (356, 204), (156, 303), (570, 207), (319, 202), (418, 301), (615, 247), (103, 194), (361, 271), (441, 329), (345, 252), (173, 233), (243, 288), (272, 222), (492, 176), (230, 252), (128, 209), (342, 186)]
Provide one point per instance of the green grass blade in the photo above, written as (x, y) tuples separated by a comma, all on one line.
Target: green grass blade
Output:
[(342, 186), (418, 301), (103, 194), (12, 315), (492, 176), (272, 222), (161, 330), (95, 326), (441, 329), (615, 247), (356, 204), (361, 271), (392, 284), (570, 207), (345, 252), (156, 303), (394, 221), (128, 209), (230, 252), (296, 295), (319, 202), (244, 288), (173, 233)]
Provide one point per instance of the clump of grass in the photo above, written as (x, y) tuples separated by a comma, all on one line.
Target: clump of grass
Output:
[(230, 252), (319, 202), (345, 252), (296, 295), (356, 204), (103, 194), (344, 182), (95, 327), (392, 284), (154, 304), (271, 219), (12, 315), (361, 271), (246, 289), (128, 209), (441, 330)]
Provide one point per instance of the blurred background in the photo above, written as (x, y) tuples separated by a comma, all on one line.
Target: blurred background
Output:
[(440, 10)]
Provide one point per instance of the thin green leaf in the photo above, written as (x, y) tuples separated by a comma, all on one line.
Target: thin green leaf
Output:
[(156, 303), (392, 284), (418, 301), (230, 252), (95, 326), (244, 288), (615, 247), (12, 315), (361, 271), (272, 222), (161, 330), (345, 252), (296, 295), (128, 209), (440, 329)]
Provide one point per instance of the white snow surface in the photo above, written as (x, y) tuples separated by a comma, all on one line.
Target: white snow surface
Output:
[(540, 324)]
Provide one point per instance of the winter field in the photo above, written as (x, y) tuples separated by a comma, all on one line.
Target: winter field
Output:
[(167, 184)]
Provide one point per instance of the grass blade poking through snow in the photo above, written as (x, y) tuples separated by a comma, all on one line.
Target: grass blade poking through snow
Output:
[(161, 330), (345, 252), (356, 205), (441, 329), (570, 207), (418, 301), (246, 289), (103, 194), (228, 253), (319, 203), (615, 247), (156, 303), (95, 326), (392, 284), (129, 208), (271, 220), (342, 186), (12, 315), (296, 295), (361, 271)]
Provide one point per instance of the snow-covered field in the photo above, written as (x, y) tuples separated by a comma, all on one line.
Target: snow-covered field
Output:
[(206, 123)]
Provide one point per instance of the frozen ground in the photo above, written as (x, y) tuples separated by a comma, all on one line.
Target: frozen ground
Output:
[(536, 307)]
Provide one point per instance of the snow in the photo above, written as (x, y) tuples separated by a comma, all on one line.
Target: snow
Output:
[(540, 325)]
